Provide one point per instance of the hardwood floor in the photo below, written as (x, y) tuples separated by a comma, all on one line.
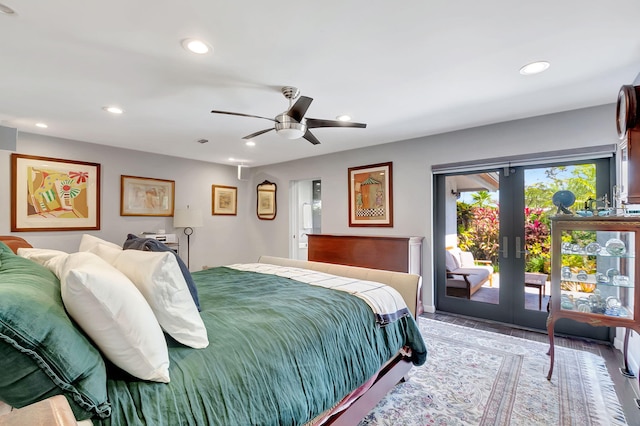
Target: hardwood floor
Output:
[(626, 388)]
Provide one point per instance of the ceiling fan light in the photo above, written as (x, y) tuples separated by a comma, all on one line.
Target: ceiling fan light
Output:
[(291, 133), (291, 130)]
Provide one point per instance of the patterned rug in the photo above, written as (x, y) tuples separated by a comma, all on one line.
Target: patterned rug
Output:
[(475, 377)]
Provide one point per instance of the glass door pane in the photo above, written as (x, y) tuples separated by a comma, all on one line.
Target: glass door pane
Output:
[(540, 185), (472, 226)]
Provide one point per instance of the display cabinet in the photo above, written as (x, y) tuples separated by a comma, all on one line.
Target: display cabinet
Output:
[(594, 273)]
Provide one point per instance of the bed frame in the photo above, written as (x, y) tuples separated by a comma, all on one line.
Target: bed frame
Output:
[(393, 372)]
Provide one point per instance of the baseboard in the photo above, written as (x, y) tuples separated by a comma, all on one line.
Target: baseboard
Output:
[(429, 309)]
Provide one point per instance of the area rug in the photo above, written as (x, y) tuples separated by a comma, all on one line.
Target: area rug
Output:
[(476, 377)]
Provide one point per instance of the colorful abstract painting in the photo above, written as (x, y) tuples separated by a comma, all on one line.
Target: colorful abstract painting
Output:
[(50, 194)]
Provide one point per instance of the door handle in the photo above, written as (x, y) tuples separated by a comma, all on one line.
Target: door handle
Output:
[(505, 247), (518, 246)]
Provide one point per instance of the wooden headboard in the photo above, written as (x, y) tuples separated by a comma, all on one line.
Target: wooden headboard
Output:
[(398, 254), (15, 243)]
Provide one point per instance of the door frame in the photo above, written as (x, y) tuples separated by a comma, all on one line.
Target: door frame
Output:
[(510, 309)]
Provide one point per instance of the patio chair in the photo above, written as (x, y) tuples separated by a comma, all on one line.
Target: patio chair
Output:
[(465, 275)]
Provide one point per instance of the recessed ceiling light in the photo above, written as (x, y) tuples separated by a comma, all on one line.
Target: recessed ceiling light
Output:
[(344, 117), (113, 109), (250, 143), (42, 125), (6, 10), (196, 46), (232, 159), (534, 68)]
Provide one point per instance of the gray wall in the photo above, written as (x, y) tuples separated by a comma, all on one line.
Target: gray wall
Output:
[(222, 240)]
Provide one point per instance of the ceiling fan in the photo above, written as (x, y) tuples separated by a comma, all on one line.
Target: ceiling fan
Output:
[(292, 124)]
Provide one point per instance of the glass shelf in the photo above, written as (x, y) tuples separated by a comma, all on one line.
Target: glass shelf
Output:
[(601, 253), (591, 281)]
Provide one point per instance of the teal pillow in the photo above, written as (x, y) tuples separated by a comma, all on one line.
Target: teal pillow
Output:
[(42, 352)]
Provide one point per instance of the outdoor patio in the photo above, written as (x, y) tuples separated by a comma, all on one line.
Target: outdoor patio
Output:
[(490, 294)]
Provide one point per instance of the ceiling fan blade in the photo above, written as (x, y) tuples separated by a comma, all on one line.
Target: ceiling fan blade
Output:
[(313, 123), (309, 136), (240, 114), (299, 109), (252, 135)]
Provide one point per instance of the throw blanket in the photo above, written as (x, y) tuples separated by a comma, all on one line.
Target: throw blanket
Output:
[(385, 302)]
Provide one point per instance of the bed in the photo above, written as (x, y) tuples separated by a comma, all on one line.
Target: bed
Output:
[(282, 349)]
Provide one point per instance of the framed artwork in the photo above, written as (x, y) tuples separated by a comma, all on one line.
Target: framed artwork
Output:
[(224, 200), (52, 194), (141, 196), (266, 207), (371, 195)]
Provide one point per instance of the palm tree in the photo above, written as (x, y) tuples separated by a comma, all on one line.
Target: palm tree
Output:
[(482, 199)]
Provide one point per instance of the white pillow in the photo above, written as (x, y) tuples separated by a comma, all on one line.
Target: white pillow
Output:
[(107, 253), (39, 255), (89, 241), (111, 310), (159, 278), (56, 265)]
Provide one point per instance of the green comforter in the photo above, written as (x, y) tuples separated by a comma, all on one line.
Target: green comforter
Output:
[(281, 352)]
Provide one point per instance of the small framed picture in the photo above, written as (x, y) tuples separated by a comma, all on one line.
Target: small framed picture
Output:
[(141, 196), (52, 194), (224, 200)]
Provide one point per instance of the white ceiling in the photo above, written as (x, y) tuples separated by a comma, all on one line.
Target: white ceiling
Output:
[(406, 68)]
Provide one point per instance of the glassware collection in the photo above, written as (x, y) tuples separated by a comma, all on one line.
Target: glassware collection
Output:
[(590, 274)]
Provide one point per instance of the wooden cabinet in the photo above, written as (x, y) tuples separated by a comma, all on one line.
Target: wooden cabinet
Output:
[(629, 166), (594, 273)]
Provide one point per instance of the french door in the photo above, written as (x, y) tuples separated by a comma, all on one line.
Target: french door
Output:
[(497, 220)]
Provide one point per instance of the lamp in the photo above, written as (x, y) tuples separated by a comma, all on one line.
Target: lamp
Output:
[(187, 219)]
